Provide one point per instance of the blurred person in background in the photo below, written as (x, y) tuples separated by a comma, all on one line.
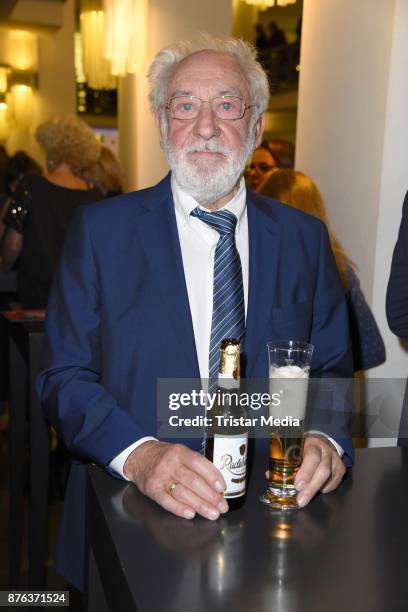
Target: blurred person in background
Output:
[(4, 159), (17, 167), (261, 42), (282, 151), (277, 37), (43, 205), (106, 174), (299, 191), (268, 157)]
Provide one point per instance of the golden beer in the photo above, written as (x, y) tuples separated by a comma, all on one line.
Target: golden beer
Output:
[(285, 456), (289, 366)]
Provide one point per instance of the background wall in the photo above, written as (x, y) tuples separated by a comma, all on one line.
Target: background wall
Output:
[(170, 21), (244, 18), (352, 136), (345, 62), (56, 81)]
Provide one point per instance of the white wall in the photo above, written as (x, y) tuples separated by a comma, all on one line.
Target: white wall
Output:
[(352, 139), (343, 86), (170, 21), (393, 184)]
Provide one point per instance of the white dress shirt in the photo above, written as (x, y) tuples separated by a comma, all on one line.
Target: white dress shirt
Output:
[(198, 242)]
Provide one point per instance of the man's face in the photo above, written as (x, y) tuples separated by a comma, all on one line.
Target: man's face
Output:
[(208, 154)]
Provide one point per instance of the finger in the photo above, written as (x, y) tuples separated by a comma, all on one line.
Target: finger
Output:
[(320, 477), (207, 470), (193, 481), (312, 456), (338, 471), (198, 504), (172, 505)]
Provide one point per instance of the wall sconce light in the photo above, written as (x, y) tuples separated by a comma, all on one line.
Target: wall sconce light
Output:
[(18, 65), (4, 112), (23, 77), (20, 97), (4, 70)]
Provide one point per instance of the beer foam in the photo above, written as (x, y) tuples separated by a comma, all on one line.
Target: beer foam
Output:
[(288, 371), (291, 383)]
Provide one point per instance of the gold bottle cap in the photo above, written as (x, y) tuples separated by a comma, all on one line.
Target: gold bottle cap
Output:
[(230, 350)]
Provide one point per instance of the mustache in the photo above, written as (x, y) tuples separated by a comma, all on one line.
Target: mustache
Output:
[(212, 147)]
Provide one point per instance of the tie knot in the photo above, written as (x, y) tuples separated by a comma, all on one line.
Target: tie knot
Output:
[(223, 221)]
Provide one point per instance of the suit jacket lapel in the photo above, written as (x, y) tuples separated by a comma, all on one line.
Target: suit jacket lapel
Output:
[(158, 234), (264, 245)]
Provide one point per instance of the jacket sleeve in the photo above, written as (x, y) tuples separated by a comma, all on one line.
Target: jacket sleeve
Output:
[(85, 415), (397, 291)]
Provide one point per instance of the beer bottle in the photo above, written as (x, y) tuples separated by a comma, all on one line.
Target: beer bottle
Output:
[(226, 443)]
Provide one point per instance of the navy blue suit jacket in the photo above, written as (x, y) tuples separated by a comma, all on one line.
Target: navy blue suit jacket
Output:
[(118, 318)]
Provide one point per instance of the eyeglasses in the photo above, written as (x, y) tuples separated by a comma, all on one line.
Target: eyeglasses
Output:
[(261, 166), (227, 108)]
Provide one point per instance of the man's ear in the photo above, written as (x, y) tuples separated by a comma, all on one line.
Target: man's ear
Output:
[(259, 128), (158, 121)]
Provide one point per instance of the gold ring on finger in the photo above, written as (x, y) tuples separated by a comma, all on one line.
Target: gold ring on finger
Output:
[(172, 486)]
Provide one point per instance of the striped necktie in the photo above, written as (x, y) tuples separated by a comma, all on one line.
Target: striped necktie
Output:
[(228, 316)]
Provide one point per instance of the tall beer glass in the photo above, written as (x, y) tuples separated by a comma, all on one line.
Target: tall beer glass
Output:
[(289, 366)]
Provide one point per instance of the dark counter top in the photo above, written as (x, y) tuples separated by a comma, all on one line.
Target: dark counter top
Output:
[(345, 552)]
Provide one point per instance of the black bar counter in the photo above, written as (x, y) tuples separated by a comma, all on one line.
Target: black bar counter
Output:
[(345, 552), (26, 334)]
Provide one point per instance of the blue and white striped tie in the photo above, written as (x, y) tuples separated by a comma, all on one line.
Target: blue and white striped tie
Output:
[(228, 317)]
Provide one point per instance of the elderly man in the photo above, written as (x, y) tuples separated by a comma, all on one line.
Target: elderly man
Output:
[(133, 300)]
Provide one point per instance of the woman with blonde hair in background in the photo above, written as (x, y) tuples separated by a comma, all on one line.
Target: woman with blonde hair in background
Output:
[(106, 174), (43, 206), (299, 191)]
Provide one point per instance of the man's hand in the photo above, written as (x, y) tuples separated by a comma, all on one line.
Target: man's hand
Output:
[(155, 466), (321, 469)]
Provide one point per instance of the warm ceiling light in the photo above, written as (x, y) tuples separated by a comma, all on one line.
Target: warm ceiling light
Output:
[(96, 67), (126, 29)]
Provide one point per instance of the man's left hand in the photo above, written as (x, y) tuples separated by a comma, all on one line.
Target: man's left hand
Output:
[(321, 469)]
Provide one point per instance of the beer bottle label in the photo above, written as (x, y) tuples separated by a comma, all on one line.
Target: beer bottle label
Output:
[(230, 457)]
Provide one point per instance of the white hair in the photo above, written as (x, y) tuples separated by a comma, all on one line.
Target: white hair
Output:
[(166, 61)]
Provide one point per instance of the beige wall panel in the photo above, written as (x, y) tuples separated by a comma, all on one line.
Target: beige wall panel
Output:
[(56, 79), (170, 21)]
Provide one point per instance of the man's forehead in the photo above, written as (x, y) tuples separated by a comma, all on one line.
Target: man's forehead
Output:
[(208, 67)]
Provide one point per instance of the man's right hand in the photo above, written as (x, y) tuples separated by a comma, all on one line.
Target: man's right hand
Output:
[(156, 466)]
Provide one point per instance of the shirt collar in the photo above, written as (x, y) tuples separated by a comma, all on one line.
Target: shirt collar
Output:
[(185, 203)]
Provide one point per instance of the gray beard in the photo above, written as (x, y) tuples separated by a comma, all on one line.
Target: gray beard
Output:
[(207, 185)]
